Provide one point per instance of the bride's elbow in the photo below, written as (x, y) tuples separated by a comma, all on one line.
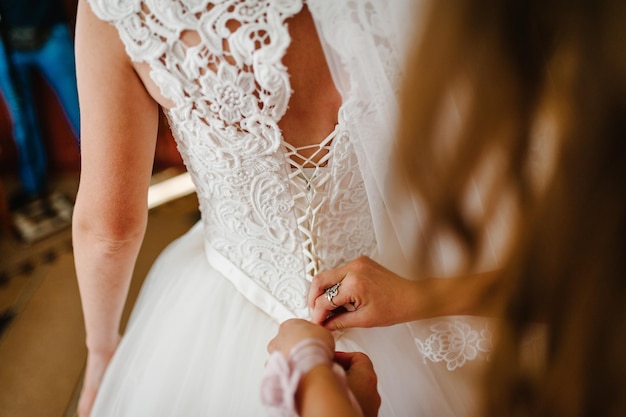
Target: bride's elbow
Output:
[(110, 233)]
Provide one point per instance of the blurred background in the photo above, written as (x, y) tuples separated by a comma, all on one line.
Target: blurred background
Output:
[(42, 349)]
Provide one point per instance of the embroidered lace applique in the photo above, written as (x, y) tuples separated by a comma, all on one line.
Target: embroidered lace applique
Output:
[(455, 342), (220, 64)]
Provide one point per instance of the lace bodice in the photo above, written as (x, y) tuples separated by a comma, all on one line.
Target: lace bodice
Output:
[(271, 219)]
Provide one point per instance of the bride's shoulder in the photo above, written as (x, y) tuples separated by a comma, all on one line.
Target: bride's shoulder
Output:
[(114, 10)]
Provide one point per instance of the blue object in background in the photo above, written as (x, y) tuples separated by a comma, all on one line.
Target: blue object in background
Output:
[(54, 59)]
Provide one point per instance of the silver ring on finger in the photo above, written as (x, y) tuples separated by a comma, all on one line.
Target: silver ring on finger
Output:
[(331, 292)]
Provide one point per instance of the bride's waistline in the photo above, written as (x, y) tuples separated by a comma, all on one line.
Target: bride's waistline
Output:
[(246, 286)]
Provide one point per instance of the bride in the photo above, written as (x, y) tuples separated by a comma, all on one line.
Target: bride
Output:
[(283, 113)]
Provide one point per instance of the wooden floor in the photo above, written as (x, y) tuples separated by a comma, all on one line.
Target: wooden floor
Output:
[(42, 351)]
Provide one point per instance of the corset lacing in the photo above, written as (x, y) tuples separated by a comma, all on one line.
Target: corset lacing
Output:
[(308, 177)]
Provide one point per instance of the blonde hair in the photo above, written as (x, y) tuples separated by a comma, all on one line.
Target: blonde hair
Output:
[(515, 62)]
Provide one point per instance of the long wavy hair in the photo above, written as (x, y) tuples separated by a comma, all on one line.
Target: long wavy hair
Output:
[(510, 67)]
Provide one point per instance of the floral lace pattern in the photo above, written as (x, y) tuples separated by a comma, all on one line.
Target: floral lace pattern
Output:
[(230, 89), (454, 341)]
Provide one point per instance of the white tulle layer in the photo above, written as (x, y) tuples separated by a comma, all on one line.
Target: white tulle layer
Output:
[(196, 347)]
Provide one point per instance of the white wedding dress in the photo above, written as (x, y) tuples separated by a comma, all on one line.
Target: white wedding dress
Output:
[(196, 341)]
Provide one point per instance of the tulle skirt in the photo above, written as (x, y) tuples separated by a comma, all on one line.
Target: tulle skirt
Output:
[(195, 347)]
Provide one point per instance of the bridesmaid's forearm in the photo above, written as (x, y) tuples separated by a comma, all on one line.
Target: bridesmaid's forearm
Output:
[(321, 395), (463, 295)]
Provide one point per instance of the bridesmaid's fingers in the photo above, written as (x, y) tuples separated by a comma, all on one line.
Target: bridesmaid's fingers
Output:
[(322, 281), (324, 308), (345, 320), (348, 359)]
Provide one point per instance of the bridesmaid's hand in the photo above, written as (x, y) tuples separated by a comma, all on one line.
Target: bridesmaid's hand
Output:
[(293, 331), (369, 296), (360, 374), (97, 363), (362, 380)]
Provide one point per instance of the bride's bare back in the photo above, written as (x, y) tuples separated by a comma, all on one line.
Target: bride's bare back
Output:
[(314, 102)]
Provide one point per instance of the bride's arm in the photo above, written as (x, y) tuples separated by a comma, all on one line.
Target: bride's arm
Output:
[(375, 296), (118, 132)]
